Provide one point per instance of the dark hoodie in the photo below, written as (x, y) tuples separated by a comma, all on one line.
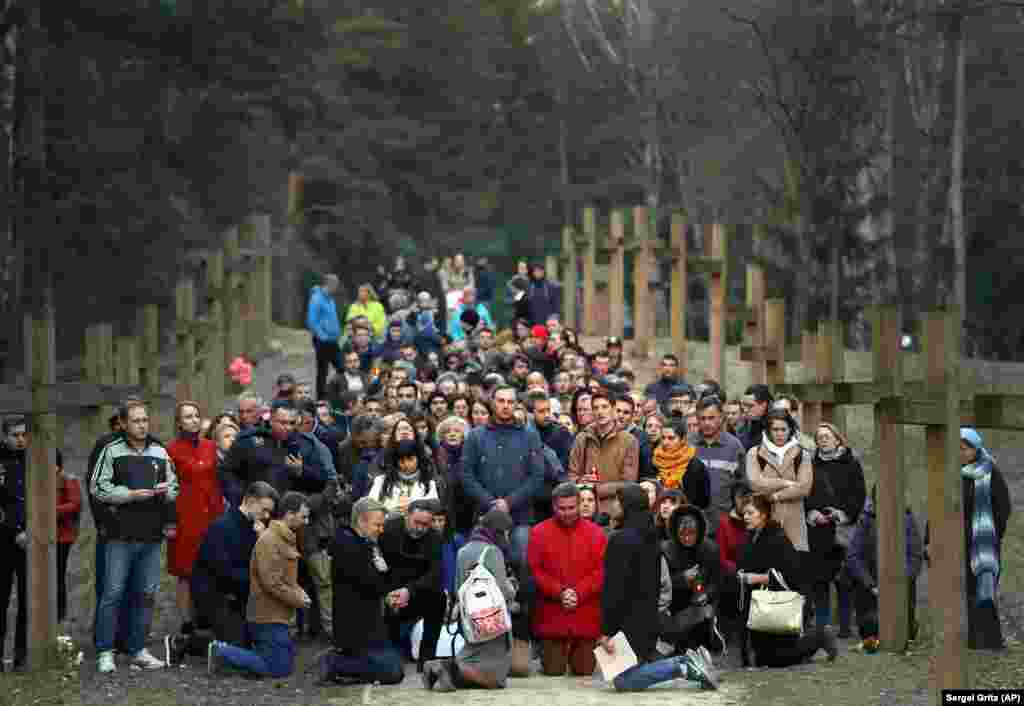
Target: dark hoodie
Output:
[(632, 575), (680, 558)]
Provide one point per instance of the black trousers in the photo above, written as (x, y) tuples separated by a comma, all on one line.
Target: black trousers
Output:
[(327, 354), (983, 630), (217, 617), (688, 630), (866, 604), (429, 605), (12, 566), (63, 552), (783, 650)]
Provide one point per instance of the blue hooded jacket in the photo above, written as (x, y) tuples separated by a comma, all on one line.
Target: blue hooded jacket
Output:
[(322, 316)]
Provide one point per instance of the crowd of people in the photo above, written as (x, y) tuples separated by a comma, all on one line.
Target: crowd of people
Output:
[(356, 509)]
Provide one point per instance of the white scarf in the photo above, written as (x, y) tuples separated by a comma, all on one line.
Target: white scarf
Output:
[(779, 452)]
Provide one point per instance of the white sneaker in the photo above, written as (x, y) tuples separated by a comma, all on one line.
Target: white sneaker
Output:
[(144, 659), (105, 664)]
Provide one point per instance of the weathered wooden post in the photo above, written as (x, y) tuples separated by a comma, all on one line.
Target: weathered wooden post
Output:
[(828, 350), (715, 245), (260, 284), (104, 370), (589, 271), (755, 324), (185, 313), (891, 495), (643, 314), (945, 510), (568, 258), (234, 321), (551, 267), (215, 369), (126, 372), (775, 341), (148, 325), (617, 274), (41, 486), (677, 248), (809, 357)]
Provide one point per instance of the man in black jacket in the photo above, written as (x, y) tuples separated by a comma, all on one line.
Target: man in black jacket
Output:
[(756, 402), (632, 574), (362, 652), (555, 437), (412, 550), (279, 456), (220, 575), (13, 536)]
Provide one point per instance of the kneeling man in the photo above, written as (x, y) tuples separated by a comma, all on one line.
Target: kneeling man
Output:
[(566, 559)]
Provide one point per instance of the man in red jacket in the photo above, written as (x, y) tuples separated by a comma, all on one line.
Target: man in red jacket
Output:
[(566, 559)]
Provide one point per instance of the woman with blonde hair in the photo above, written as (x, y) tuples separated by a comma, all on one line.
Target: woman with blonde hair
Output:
[(367, 304), (200, 500)]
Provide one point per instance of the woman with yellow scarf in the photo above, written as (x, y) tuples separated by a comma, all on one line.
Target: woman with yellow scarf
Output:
[(678, 466)]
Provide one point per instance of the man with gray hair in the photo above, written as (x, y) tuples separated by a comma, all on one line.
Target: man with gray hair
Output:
[(250, 407), (566, 559), (322, 322), (362, 580)]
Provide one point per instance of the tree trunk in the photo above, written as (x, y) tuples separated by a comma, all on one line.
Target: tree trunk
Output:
[(563, 154), (900, 290), (957, 35), (835, 278)]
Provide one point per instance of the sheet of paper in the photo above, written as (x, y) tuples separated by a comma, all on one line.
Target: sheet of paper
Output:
[(612, 665)]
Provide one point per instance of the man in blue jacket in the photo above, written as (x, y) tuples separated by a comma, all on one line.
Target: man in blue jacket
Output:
[(503, 467), (220, 575), (544, 297), (322, 322)]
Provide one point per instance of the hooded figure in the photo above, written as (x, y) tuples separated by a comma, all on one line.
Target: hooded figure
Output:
[(695, 570), (632, 575)]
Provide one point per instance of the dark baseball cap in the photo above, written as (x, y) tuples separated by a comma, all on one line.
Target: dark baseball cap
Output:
[(285, 379)]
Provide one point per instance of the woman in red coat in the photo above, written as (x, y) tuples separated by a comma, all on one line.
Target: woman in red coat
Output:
[(566, 559), (200, 500)]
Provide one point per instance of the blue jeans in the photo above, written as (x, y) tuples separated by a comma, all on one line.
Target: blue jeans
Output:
[(272, 653), (519, 537), (128, 605), (379, 662), (131, 569), (648, 674)]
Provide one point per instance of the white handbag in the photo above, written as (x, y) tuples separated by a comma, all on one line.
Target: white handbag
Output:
[(776, 612)]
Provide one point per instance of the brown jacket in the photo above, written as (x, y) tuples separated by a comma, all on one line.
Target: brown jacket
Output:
[(616, 457), (767, 478), (274, 591)]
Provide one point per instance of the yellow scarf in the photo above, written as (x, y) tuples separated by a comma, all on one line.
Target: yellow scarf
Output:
[(672, 463)]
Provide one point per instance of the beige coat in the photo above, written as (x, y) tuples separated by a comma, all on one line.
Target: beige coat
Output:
[(788, 510), (274, 591), (616, 457)]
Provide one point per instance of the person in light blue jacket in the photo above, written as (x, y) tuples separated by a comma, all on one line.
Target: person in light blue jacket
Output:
[(322, 322), (469, 303)]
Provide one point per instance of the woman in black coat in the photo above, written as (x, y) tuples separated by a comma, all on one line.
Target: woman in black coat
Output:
[(832, 509), (632, 574), (768, 549)]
